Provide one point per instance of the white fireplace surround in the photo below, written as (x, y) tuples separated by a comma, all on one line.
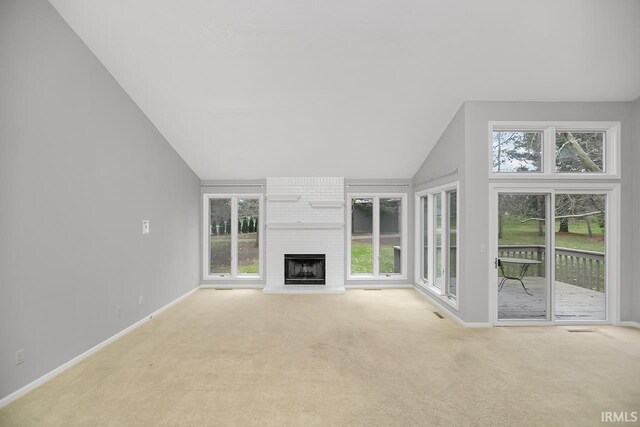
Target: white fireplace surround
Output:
[(305, 215)]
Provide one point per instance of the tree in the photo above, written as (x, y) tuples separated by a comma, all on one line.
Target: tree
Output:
[(220, 212), (252, 225), (255, 226), (517, 151), (239, 226), (245, 225), (581, 152)]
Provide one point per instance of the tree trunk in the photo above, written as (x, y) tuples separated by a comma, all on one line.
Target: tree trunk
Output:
[(582, 155), (588, 220), (564, 225), (500, 226), (541, 213)]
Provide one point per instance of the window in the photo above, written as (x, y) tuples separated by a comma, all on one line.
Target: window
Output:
[(580, 152), (517, 151), (377, 238), (233, 247), (554, 149), (437, 219)]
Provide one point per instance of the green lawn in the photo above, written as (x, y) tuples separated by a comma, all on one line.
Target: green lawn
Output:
[(362, 258), (516, 233), (248, 254)]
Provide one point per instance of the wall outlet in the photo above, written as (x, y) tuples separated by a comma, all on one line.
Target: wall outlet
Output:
[(140, 300), (20, 356), (145, 226), (118, 311)]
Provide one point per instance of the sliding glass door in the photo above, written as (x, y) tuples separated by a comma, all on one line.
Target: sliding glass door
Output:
[(377, 238), (551, 255), (437, 210), (234, 247), (523, 245), (580, 249)]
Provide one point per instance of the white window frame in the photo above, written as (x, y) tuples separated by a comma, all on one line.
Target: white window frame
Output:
[(376, 237), (611, 150), (206, 247), (612, 248), (442, 294)]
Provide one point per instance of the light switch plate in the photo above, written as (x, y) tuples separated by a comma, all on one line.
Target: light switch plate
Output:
[(145, 226)]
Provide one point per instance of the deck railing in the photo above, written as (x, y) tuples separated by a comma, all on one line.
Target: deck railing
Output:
[(576, 267)]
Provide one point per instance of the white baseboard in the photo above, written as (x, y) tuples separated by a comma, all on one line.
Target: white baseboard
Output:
[(630, 323), (380, 286), (227, 286), (49, 375), (444, 306)]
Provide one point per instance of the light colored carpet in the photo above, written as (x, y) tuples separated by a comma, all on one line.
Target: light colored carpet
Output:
[(365, 358)]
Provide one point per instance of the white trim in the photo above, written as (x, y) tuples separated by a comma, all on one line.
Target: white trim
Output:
[(53, 373), (630, 324), (611, 152), (442, 191), (231, 286), (285, 197), (376, 237), (380, 286), (233, 275), (612, 248), (438, 303)]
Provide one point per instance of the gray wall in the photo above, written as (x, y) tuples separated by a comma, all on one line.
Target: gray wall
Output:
[(476, 198), (80, 167), (636, 209), (447, 155)]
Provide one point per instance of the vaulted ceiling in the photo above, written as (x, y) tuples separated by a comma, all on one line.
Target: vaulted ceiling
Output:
[(354, 88)]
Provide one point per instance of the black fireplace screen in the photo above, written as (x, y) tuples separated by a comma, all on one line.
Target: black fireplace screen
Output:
[(304, 269)]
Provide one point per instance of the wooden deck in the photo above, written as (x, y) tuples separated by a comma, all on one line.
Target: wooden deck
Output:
[(573, 302)]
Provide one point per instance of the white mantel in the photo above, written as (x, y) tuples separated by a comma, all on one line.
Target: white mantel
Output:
[(305, 215)]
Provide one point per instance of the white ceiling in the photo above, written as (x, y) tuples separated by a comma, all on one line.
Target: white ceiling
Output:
[(354, 88)]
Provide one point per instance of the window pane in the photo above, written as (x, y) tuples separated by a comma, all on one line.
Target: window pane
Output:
[(580, 152), (517, 151), (361, 236), (453, 243), (390, 235), (220, 236), (580, 256), (522, 249), (437, 215), (425, 238), (248, 237)]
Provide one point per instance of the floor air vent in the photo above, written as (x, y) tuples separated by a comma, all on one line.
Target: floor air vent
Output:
[(438, 314), (580, 330), (373, 289)]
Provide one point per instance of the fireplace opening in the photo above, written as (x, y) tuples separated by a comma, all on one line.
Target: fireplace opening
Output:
[(304, 269)]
